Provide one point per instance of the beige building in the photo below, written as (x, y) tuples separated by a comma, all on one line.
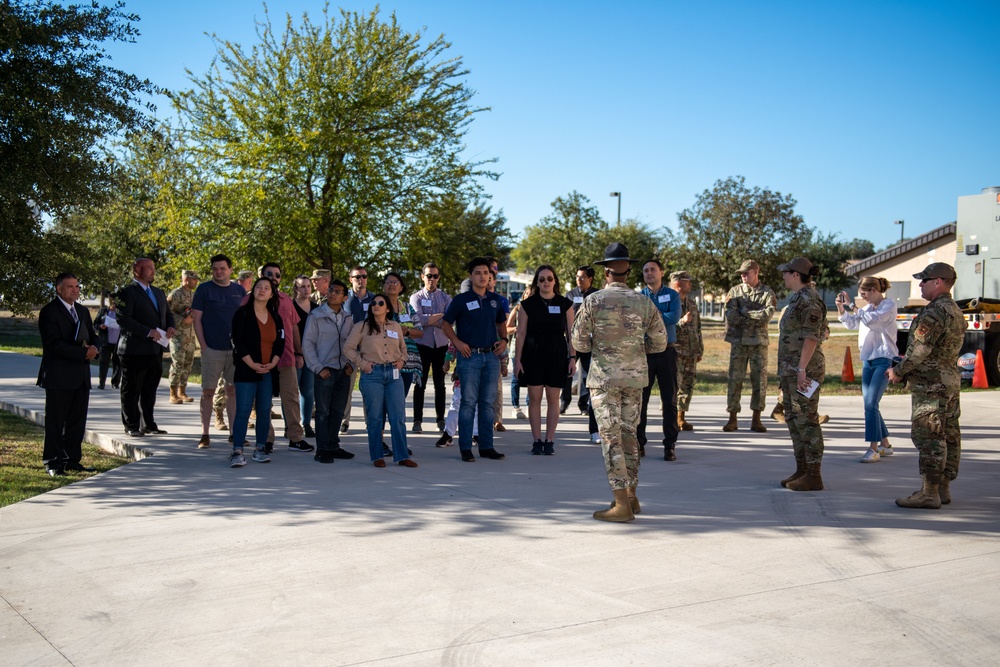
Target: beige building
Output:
[(898, 263)]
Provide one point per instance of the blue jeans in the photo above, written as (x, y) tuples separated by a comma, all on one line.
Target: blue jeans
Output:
[(305, 378), (246, 394), (331, 401), (515, 391), (383, 395), (873, 384), (478, 375)]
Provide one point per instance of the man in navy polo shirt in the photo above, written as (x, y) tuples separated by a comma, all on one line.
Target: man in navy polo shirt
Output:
[(480, 341)]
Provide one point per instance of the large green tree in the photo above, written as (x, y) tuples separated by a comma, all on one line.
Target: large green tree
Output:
[(60, 102), (831, 255), (322, 143), (733, 222)]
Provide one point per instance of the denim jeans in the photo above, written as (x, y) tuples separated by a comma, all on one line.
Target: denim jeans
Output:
[(515, 391), (383, 394), (331, 399), (873, 384), (306, 378), (478, 375), (247, 393)]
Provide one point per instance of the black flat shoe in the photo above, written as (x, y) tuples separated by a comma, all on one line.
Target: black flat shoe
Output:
[(491, 454), (536, 448), (341, 453), (78, 467), (154, 431), (468, 456), (135, 433)]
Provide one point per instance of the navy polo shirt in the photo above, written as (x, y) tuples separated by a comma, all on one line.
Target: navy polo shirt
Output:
[(475, 319), (218, 304)]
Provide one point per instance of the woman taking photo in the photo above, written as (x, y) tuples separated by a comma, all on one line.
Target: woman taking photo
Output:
[(801, 369), (258, 341), (876, 325), (545, 356), (406, 316), (303, 306), (376, 347)]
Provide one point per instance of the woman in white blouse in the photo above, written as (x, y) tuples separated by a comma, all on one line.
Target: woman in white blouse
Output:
[(876, 324)]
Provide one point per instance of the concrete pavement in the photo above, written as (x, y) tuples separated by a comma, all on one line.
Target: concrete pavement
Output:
[(178, 558)]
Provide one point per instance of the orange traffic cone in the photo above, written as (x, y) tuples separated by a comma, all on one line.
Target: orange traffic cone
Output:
[(847, 373), (979, 373)]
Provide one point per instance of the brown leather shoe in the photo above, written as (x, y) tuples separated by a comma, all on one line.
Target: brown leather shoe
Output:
[(379, 463), (500, 428), (204, 443), (409, 463)]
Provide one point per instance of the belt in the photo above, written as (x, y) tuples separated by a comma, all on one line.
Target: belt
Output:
[(481, 350)]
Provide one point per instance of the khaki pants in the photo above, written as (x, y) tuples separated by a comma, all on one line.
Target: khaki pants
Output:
[(288, 392)]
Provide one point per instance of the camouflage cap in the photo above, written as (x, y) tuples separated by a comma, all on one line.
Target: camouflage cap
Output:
[(748, 265), (937, 270), (800, 264), (320, 273), (680, 275), (243, 275), (190, 274)]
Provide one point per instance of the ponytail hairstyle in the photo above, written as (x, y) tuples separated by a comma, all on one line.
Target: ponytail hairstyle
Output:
[(874, 283)]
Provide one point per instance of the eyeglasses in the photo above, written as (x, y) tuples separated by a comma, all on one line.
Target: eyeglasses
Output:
[(432, 276), (392, 282), (361, 276), (927, 280), (380, 302), (546, 279)]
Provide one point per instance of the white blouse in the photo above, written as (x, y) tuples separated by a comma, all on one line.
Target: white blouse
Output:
[(876, 329)]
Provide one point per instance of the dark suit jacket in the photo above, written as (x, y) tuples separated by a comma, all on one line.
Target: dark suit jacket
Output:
[(137, 317), (64, 347)]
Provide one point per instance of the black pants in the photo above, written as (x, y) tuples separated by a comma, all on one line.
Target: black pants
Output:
[(662, 368), (109, 355), (331, 397), (431, 358), (140, 378), (65, 423), (583, 397)]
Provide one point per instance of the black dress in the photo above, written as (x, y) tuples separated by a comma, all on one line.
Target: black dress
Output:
[(544, 351)]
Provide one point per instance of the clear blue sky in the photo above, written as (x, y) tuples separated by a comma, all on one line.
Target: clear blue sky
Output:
[(864, 111)]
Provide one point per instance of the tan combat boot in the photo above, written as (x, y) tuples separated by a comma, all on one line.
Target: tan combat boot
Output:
[(778, 414), (182, 394), (682, 423), (800, 470), (621, 512), (632, 501), (220, 420), (944, 490), (810, 481), (824, 419), (174, 397), (755, 424), (926, 498), (731, 424)]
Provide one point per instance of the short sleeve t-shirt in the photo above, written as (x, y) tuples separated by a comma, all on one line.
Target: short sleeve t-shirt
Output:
[(218, 304), (475, 318)]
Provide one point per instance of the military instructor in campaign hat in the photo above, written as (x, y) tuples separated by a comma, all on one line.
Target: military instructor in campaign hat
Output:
[(619, 327)]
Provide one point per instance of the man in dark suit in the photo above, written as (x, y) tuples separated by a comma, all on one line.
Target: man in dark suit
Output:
[(146, 326), (69, 342)]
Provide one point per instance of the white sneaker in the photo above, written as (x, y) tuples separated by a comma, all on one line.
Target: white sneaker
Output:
[(884, 450), (260, 456), (871, 456), (236, 460), (595, 438), (519, 414)]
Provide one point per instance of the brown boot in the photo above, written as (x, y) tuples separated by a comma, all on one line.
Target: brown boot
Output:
[(632, 501), (926, 498), (755, 424), (944, 491), (622, 510), (824, 419), (682, 423), (731, 424), (810, 481), (174, 398), (778, 414), (182, 394), (220, 420), (800, 470)]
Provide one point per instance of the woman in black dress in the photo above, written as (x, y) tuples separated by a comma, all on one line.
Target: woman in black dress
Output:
[(544, 355)]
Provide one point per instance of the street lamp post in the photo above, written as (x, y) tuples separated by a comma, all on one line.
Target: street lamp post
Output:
[(901, 228), (619, 196)]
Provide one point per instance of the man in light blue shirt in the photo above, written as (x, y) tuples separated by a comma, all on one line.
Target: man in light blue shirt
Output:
[(662, 366)]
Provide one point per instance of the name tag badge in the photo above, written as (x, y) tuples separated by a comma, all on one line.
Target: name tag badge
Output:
[(395, 373), (472, 305), (392, 334), (554, 310), (403, 317), (365, 307), (426, 303), (577, 299), (664, 298)]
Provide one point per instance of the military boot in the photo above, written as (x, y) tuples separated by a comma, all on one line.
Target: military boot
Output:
[(620, 512), (810, 481), (220, 420), (926, 498), (800, 470), (182, 394), (755, 424), (944, 490), (174, 396), (731, 424), (632, 501), (682, 423), (778, 414)]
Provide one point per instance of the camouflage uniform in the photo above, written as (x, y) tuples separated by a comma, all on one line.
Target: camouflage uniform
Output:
[(689, 347), (804, 319), (619, 327), (931, 371), (748, 312), (182, 345)]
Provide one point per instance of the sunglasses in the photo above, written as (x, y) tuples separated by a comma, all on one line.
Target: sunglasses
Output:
[(379, 303), (546, 279), (392, 282), (362, 276), (927, 280), (432, 276), (272, 274)]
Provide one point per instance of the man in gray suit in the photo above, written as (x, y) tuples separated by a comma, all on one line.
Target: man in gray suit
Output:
[(146, 324)]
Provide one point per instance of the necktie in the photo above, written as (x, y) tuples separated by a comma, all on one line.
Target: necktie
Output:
[(149, 293), (72, 312)]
